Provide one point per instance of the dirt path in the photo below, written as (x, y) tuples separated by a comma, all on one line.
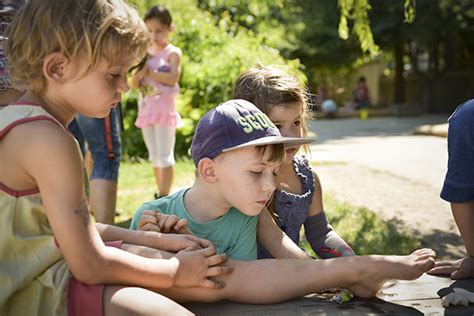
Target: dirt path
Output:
[(380, 164), (413, 205)]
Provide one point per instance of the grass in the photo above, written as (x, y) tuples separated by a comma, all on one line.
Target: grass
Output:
[(361, 228), (365, 231)]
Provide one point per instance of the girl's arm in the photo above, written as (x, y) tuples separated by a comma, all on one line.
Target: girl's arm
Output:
[(134, 81), (52, 160), (275, 240), (325, 242), (152, 239), (170, 78)]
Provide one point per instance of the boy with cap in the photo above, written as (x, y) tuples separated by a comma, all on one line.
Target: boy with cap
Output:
[(235, 146), (237, 150)]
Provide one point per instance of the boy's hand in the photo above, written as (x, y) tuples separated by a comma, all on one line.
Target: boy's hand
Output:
[(164, 223), (459, 269), (179, 242), (195, 268)]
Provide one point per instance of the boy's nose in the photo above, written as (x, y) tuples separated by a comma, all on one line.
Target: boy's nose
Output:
[(269, 184)]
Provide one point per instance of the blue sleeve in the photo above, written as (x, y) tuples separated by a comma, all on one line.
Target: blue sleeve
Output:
[(458, 185), (245, 247)]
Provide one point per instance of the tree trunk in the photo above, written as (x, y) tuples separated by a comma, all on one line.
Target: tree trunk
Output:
[(399, 90)]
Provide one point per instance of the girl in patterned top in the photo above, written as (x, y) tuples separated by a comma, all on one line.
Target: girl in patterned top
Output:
[(298, 197)]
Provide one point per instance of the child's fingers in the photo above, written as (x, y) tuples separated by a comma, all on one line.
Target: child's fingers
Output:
[(147, 217), (219, 270), (151, 228), (182, 226), (170, 221), (206, 244), (161, 220), (444, 264), (217, 259), (211, 284), (445, 270)]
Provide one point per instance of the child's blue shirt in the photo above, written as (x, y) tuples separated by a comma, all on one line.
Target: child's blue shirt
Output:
[(459, 182)]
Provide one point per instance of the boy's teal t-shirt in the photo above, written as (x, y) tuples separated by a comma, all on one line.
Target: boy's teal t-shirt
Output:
[(233, 233)]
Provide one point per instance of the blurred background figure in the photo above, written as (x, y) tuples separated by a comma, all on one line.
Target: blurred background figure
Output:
[(361, 94)]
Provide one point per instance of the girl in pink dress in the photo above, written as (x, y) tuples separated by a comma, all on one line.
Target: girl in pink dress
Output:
[(158, 82)]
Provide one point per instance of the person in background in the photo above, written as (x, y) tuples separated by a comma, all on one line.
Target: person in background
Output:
[(157, 78), (361, 94), (7, 92), (102, 136)]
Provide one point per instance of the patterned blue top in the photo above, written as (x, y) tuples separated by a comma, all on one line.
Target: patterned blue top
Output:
[(292, 209)]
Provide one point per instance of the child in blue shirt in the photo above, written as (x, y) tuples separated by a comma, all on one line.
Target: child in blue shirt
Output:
[(458, 188), (237, 151), (298, 195)]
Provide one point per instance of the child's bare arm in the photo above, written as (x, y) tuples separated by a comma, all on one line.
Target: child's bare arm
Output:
[(325, 242), (463, 268), (55, 165), (134, 81), (172, 77), (153, 239), (275, 240)]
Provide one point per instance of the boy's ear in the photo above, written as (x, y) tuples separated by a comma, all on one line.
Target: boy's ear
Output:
[(207, 171), (54, 67)]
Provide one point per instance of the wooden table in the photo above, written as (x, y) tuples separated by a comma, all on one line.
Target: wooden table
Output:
[(417, 297)]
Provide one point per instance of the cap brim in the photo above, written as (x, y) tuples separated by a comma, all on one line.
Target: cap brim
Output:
[(269, 140)]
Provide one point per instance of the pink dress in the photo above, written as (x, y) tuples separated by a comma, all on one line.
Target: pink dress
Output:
[(158, 102)]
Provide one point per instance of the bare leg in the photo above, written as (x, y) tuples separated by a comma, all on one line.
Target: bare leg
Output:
[(164, 179), (103, 200), (276, 280), (119, 300)]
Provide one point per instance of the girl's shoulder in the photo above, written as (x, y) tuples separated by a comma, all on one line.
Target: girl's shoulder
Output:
[(170, 48), (301, 163)]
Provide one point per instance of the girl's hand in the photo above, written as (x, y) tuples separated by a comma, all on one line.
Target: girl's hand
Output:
[(164, 223), (195, 267)]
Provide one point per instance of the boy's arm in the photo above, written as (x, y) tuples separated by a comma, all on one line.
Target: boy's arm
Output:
[(325, 242), (464, 216), (275, 240), (170, 78), (463, 268)]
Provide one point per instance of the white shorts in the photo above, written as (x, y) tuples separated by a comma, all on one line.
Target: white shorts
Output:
[(159, 140)]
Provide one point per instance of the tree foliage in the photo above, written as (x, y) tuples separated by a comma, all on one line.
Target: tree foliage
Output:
[(217, 46)]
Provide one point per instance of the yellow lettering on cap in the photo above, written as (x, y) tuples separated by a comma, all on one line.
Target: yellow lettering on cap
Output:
[(262, 119), (246, 126), (251, 119)]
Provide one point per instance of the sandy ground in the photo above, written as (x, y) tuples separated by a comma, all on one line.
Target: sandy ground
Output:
[(382, 165)]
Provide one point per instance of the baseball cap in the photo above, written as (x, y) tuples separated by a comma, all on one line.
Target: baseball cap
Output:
[(236, 124)]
